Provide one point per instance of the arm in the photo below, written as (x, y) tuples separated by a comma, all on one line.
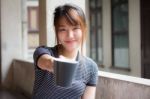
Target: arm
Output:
[(45, 62), (90, 89), (43, 59), (89, 92)]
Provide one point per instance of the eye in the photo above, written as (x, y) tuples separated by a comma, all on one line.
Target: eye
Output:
[(61, 29), (76, 27)]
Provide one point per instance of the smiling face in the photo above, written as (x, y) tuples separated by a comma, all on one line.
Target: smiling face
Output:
[(70, 36), (70, 27)]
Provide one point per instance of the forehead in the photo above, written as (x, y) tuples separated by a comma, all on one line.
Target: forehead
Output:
[(71, 17)]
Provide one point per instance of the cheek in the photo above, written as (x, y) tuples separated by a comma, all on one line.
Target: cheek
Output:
[(60, 36), (79, 35)]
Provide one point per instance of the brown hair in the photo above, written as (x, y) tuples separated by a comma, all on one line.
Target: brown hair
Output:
[(74, 15)]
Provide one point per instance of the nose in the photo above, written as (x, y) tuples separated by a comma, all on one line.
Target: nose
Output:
[(70, 34)]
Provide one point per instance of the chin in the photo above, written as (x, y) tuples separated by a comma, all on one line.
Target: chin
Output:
[(72, 48)]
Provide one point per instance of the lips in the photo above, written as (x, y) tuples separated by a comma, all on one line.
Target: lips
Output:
[(70, 41)]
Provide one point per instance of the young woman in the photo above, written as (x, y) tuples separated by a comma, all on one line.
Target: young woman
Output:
[(70, 28)]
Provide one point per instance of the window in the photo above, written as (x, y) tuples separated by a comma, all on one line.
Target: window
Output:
[(120, 39), (95, 12), (33, 27)]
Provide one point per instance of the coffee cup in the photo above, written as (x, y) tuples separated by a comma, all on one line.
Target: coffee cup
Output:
[(64, 71)]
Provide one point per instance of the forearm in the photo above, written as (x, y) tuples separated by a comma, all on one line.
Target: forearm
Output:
[(45, 62)]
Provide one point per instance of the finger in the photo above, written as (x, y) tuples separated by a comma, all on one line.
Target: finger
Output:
[(61, 56)]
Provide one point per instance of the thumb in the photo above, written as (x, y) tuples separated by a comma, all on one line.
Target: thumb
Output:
[(62, 57)]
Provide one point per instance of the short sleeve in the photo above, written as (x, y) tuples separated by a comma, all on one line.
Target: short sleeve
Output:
[(93, 75), (39, 52)]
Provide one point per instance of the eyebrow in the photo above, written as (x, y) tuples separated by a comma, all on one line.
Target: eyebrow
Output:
[(61, 25)]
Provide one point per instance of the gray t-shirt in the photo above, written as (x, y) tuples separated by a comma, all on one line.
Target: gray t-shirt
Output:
[(44, 86)]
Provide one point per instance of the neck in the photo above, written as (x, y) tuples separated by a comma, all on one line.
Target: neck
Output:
[(70, 54)]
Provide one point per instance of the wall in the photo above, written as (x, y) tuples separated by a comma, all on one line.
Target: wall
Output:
[(135, 37), (11, 33), (115, 86), (106, 29), (23, 77)]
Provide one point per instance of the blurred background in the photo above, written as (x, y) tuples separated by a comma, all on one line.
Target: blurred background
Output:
[(118, 38)]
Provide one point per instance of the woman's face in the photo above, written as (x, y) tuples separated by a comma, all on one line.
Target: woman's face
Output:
[(68, 35)]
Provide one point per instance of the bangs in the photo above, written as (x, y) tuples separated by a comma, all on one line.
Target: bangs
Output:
[(72, 17)]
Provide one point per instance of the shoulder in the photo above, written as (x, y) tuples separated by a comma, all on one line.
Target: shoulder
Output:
[(92, 71), (39, 51), (89, 61), (92, 65), (46, 49)]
